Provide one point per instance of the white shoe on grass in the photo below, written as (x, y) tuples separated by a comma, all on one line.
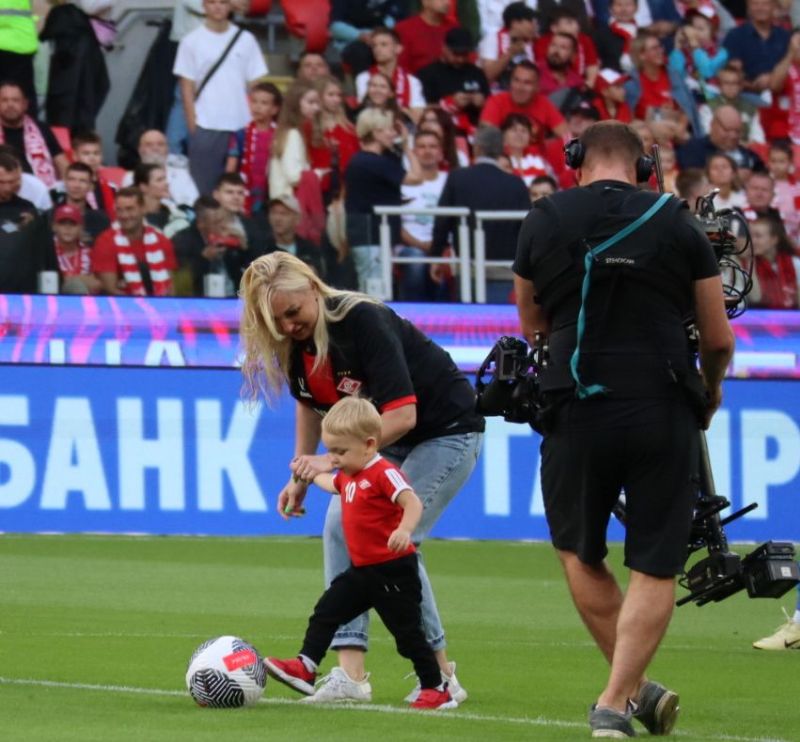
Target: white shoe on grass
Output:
[(337, 685), (786, 637)]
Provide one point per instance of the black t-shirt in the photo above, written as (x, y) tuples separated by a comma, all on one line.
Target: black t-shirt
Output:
[(11, 211), (15, 138), (371, 180), (440, 80), (381, 356), (641, 290)]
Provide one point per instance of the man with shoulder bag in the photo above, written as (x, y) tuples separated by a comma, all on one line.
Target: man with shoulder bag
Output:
[(215, 65), (612, 275)]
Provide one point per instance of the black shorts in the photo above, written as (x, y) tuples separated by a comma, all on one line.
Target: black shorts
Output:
[(598, 448)]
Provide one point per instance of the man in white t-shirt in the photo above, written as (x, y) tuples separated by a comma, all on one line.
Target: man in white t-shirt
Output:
[(220, 108), (417, 230)]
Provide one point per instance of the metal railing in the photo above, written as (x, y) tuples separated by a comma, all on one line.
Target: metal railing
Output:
[(467, 267), (388, 259), (479, 247)]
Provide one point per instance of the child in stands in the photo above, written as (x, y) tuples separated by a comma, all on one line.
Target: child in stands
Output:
[(251, 147), (379, 513), (87, 147)]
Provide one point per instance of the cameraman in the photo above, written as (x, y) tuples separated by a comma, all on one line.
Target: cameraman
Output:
[(621, 414)]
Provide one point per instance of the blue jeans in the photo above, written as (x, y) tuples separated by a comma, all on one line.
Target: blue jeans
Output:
[(436, 469), (177, 129), (413, 283), (367, 261)]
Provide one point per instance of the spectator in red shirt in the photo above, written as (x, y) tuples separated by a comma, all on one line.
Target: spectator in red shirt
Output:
[(776, 269), (557, 76), (423, 35), (250, 148), (584, 61), (524, 97), (656, 91), (610, 101), (73, 255), (339, 140), (132, 258)]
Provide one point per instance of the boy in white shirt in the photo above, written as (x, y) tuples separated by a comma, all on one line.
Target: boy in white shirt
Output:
[(215, 100)]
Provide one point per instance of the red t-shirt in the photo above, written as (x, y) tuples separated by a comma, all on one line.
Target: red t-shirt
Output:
[(655, 94), (499, 105), (369, 511), (422, 43)]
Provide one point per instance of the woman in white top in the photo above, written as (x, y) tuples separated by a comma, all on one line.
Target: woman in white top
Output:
[(295, 131), (722, 173)]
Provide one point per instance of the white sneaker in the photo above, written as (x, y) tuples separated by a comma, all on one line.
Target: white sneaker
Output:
[(786, 637), (337, 685), (457, 691)]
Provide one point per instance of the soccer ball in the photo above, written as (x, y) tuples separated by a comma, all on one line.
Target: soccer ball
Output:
[(226, 672)]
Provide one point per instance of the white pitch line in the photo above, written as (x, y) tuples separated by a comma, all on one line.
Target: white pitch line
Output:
[(538, 721)]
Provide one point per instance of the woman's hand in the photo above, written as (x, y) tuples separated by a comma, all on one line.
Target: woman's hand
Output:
[(290, 499), (308, 466)]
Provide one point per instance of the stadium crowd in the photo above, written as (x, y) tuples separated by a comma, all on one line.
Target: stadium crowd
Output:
[(418, 103)]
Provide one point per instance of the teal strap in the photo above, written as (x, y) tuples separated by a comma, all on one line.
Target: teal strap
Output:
[(581, 389)]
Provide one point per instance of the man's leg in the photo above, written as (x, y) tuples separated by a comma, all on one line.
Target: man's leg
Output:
[(597, 597), (643, 619)]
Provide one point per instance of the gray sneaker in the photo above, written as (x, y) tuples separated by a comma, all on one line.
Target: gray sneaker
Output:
[(337, 685), (610, 723), (657, 708)]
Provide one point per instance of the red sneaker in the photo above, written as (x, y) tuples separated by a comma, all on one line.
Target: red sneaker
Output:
[(430, 699), (292, 673)]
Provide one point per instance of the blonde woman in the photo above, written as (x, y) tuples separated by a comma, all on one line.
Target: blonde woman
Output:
[(326, 344), (373, 178)]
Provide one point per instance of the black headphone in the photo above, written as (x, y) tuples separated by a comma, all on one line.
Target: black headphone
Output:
[(575, 151)]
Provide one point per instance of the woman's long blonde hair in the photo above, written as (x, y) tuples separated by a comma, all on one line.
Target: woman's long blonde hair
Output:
[(267, 352)]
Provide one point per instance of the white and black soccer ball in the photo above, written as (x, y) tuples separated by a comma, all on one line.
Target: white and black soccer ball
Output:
[(226, 672)]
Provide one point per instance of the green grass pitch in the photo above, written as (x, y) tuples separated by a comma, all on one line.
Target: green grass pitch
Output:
[(95, 634)]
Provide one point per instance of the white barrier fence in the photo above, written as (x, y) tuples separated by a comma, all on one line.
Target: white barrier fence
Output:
[(479, 245), (467, 267), (388, 259)]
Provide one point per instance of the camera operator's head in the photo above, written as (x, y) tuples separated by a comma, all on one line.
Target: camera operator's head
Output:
[(611, 152)]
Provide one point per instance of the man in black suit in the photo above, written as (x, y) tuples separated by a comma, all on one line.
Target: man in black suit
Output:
[(484, 187)]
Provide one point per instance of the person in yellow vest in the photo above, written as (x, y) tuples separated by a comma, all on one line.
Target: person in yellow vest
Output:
[(18, 45)]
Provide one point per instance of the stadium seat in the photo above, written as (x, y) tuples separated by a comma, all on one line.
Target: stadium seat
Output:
[(308, 19), (113, 175), (62, 135), (259, 7)]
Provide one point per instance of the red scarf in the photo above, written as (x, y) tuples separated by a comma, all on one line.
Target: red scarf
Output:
[(461, 120), (154, 257), (400, 83), (36, 152), (74, 262), (246, 165), (793, 89), (107, 196), (627, 31), (778, 283)]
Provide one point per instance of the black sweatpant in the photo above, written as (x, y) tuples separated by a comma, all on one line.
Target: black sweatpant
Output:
[(393, 589)]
